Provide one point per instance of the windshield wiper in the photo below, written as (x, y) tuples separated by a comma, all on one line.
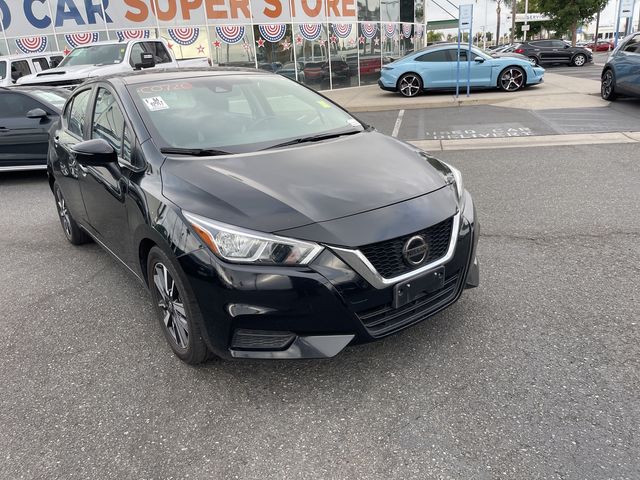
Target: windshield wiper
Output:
[(194, 152), (312, 138)]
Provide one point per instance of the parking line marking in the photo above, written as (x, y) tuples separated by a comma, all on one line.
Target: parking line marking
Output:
[(396, 127)]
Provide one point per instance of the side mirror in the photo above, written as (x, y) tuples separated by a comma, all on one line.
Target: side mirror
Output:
[(147, 60), (567, 46), (37, 113), (97, 153), (479, 60)]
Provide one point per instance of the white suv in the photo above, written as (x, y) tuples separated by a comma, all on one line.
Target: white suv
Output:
[(13, 67)]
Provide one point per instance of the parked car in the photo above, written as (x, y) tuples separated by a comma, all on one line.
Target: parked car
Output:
[(435, 67), (14, 67), (266, 221), (543, 52), (26, 117), (317, 70), (621, 73), (108, 58), (601, 46), (289, 70)]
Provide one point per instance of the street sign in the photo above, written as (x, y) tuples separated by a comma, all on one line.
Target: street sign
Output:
[(465, 17), (529, 17), (525, 28), (626, 8)]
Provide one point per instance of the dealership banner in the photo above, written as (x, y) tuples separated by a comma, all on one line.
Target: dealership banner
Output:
[(21, 18)]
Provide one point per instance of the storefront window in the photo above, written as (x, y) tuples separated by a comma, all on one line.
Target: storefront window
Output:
[(369, 49), (232, 46)]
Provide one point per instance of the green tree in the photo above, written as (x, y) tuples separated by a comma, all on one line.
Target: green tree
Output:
[(566, 15), (433, 36)]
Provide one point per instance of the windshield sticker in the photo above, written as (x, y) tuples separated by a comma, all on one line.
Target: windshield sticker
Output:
[(155, 103), (169, 87), (323, 104)]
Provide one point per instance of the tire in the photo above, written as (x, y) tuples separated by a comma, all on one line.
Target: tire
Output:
[(534, 61), (512, 79), (74, 234), (579, 60), (608, 85), (409, 85), (178, 312)]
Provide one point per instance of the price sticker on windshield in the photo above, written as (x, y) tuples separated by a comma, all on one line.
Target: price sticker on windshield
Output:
[(155, 103)]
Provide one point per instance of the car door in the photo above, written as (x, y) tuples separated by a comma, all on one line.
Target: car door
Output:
[(435, 68), (480, 71), (104, 188), (72, 131), (543, 50), (561, 51), (23, 141), (627, 66)]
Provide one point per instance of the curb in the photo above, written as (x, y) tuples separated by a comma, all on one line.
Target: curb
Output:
[(530, 141)]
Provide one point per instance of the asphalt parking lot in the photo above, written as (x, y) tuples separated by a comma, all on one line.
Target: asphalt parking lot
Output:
[(535, 374)]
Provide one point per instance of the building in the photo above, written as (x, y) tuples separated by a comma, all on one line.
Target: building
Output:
[(298, 36)]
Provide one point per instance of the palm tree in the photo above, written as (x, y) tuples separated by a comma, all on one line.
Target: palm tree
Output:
[(498, 9)]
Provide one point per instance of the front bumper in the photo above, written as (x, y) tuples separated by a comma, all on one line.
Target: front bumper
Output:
[(317, 310)]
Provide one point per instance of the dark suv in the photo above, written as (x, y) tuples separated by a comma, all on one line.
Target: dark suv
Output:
[(554, 51)]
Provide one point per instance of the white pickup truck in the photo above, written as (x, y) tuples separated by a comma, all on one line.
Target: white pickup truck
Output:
[(109, 58)]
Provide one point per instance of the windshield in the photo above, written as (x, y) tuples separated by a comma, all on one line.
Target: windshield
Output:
[(236, 113), (95, 55), (3, 70), (55, 98)]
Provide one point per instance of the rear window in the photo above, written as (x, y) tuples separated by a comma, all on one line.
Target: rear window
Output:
[(3, 70), (57, 99)]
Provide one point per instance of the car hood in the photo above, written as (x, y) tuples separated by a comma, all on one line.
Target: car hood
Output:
[(75, 72), (285, 188)]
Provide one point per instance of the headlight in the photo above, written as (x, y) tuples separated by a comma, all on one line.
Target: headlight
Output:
[(454, 178), (235, 244)]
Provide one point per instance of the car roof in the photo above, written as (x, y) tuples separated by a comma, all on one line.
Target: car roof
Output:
[(24, 56), (146, 76)]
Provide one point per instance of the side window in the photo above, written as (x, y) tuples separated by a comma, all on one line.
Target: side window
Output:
[(16, 105), (541, 44), (439, 56), (136, 54), (19, 69), (159, 51), (78, 113), (633, 45), (108, 120), (40, 64), (558, 44)]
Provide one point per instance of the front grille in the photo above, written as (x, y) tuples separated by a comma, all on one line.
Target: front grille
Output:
[(384, 320), (386, 256), (261, 340)]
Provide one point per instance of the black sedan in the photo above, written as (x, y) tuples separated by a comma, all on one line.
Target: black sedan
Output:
[(266, 221), (26, 116)]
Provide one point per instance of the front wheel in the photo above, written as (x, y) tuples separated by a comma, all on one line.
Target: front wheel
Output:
[(410, 85), (511, 79), (178, 312), (608, 86), (579, 60)]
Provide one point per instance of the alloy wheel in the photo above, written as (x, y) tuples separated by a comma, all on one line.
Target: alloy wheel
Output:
[(607, 85), (409, 85), (63, 211), (170, 303), (511, 79), (534, 61), (579, 60)]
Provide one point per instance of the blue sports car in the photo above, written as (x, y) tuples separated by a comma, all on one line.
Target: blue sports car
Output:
[(621, 74), (435, 67)]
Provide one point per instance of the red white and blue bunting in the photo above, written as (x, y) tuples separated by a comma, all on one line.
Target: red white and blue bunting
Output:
[(273, 33), (419, 30), (390, 30), (77, 39), (132, 34), (310, 31), (342, 30), (230, 34), (369, 30), (184, 35), (32, 44), (406, 29)]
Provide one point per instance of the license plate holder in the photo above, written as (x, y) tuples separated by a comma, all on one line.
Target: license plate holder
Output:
[(407, 292)]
